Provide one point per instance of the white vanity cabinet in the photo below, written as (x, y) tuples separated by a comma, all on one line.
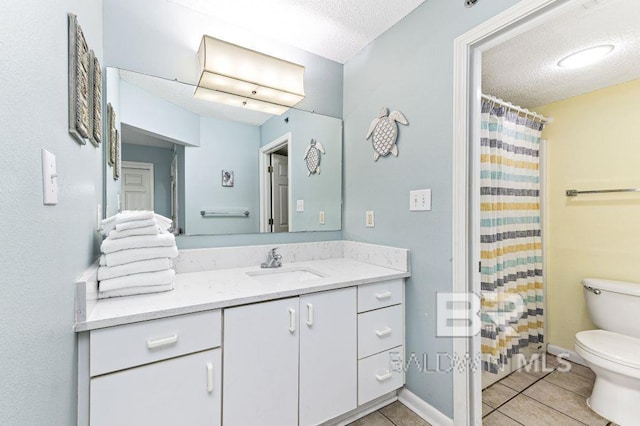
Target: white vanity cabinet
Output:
[(291, 361), (380, 339), (160, 372)]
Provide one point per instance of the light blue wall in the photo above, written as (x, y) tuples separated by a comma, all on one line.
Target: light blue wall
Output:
[(224, 145), (43, 249), (410, 68), (161, 159), (143, 110), (319, 191)]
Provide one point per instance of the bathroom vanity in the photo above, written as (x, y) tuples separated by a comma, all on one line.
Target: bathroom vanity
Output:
[(320, 339)]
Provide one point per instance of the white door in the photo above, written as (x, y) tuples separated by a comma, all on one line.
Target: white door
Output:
[(137, 185), (261, 364), (328, 355), (280, 193), (167, 393)]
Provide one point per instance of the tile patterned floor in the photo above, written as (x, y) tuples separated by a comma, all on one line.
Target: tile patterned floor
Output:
[(548, 397), (394, 414), (523, 398)]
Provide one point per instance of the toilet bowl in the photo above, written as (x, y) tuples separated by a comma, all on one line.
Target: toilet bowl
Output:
[(613, 352), (615, 359)]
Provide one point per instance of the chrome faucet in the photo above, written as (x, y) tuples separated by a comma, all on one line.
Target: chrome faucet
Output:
[(274, 260)]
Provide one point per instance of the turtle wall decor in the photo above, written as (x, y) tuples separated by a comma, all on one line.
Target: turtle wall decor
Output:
[(312, 156), (383, 132)]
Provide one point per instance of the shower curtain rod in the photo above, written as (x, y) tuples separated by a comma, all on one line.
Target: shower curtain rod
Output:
[(517, 108)]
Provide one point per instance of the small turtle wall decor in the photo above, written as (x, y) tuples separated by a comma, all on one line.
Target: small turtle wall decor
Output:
[(312, 156), (383, 132)]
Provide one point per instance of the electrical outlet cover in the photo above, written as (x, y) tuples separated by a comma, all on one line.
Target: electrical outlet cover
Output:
[(370, 219)]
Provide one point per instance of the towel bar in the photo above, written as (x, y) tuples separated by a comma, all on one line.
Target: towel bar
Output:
[(216, 213), (575, 192)]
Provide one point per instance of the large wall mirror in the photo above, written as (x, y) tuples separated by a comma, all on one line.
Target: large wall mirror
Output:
[(221, 170)]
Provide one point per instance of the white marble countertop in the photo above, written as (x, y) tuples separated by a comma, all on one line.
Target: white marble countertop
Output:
[(221, 288)]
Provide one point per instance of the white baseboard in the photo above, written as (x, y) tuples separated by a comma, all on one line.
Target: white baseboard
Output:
[(567, 354), (423, 409), (363, 410)]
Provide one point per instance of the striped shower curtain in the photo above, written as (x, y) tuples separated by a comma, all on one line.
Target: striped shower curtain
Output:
[(511, 245)]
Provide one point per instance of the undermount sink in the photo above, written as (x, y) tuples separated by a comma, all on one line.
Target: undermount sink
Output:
[(285, 276)]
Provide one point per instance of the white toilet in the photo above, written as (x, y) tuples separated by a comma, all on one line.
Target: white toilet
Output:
[(613, 352)]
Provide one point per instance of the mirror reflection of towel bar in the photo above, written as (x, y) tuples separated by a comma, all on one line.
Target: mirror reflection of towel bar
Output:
[(217, 213)]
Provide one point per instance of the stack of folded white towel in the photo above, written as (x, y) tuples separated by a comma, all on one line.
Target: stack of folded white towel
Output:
[(136, 255)]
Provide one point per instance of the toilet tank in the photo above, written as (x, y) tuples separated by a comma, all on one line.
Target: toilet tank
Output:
[(613, 305)]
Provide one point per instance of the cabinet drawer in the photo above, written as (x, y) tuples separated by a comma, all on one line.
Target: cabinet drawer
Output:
[(380, 330), (180, 391), (380, 374), (125, 346), (379, 295)]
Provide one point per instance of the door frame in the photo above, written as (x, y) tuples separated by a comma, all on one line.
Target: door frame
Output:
[(467, 91), (142, 166), (265, 180)]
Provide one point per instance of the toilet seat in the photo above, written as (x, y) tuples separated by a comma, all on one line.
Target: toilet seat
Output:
[(613, 347)]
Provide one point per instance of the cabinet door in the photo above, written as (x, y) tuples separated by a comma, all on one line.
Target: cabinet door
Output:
[(261, 364), (328, 355), (179, 391)]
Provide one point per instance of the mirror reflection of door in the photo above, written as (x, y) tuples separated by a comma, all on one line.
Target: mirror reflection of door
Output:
[(137, 185), (279, 192)]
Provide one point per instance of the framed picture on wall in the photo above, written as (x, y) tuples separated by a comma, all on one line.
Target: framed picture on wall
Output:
[(95, 99), (227, 178), (79, 112)]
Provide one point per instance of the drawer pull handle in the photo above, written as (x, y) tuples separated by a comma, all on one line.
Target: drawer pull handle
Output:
[(209, 377), (309, 314), (383, 296), (384, 332), (153, 344), (385, 376), (292, 320)]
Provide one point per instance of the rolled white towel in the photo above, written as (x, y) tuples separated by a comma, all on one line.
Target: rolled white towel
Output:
[(145, 230), (151, 265), (130, 291), (135, 255), (138, 280), (137, 241)]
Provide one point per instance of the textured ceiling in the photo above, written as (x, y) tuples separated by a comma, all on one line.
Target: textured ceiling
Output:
[(524, 70), (333, 29)]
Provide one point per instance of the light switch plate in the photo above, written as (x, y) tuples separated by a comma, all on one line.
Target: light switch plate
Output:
[(300, 206), (49, 178), (369, 219), (321, 217), (420, 200)]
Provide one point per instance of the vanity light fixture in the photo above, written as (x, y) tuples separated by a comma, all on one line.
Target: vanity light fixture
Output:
[(242, 77), (586, 57)]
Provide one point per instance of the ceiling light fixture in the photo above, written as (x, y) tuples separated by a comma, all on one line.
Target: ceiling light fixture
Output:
[(586, 57), (242, 77)]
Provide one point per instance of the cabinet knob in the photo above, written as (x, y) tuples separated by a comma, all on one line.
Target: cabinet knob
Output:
[(309, 314), (292, 320), (385, 376), (209, 377), (384, 295), (384, 332), (166, 341)]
